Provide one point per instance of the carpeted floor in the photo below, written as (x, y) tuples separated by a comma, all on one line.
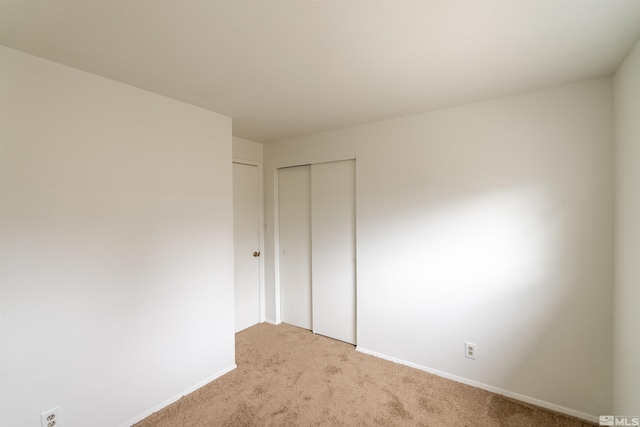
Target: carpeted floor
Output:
[(288, 376)]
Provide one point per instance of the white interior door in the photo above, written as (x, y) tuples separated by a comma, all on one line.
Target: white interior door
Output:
[(333, 226), (246, 238), (295, 245)]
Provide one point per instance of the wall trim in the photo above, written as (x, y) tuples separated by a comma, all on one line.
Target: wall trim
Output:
[(271, 322), (506, 393), (178, 396), (314, 160)]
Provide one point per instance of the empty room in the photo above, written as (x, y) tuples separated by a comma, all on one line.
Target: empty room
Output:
[(398, 213)]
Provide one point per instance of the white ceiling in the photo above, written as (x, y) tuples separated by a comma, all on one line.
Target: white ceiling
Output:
[(288, 68)]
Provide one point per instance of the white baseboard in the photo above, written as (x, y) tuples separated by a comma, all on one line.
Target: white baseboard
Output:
[(492, 389), (178, 396), (271, 322)]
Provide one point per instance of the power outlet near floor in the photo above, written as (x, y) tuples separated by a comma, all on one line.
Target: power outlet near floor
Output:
[(470, 350), (51, 418)]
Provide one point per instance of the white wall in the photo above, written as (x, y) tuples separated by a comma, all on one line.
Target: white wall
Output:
[(247, 150), (117, 265), (491, 223), (626, 377)]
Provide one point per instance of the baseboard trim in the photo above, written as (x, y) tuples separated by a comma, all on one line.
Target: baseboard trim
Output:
[(178, 396), (507, 393), (271, 322)]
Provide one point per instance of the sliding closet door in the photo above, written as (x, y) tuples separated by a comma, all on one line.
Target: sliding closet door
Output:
[(333, 226), (295, 245)]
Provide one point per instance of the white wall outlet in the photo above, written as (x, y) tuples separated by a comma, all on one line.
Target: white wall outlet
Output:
[(51, 418), (470, 350)]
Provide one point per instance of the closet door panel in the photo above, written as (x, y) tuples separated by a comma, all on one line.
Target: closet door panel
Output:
[(295, 245), (333, 248)]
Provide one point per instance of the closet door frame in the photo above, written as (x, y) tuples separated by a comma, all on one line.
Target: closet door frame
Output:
[(276, 217)]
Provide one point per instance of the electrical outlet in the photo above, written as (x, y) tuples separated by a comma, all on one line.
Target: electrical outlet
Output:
[(51, 418), (470, 350)]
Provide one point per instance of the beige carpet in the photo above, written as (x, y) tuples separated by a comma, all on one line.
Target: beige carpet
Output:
[(288, 376)]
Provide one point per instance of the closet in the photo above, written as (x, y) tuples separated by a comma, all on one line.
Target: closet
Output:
[(317, 248)]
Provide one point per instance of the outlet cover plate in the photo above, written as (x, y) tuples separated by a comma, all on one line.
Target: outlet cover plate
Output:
[(51, 418), (470, 350)]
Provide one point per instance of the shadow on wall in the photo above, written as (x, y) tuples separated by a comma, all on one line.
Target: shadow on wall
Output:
[(510, 271)]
